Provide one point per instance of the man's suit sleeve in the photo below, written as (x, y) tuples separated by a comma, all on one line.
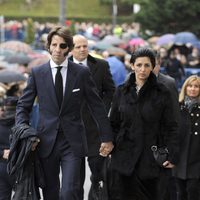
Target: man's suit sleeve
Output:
[(97, 107), (25, 103)]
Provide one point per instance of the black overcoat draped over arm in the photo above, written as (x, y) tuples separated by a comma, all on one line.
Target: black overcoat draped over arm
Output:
[(24, 164)]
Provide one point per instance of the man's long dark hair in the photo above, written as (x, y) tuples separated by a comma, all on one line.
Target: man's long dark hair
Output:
[(62, 32)]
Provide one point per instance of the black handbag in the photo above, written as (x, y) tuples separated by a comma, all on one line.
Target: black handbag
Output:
[(160, 154)]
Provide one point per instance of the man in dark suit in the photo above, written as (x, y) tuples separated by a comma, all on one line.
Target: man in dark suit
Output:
[(62, 87), (170, 83), (99, 69)]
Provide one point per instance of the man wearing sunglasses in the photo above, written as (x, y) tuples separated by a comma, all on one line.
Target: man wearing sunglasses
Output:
[(62, 87)]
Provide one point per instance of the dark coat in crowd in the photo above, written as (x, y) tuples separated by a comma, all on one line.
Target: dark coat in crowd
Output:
[(24, 164), (170, 83), (6, 182), (143, 117), (5, 132), (174, 68), (188, 166)]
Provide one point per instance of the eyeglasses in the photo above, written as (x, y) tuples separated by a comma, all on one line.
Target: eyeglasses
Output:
[(63, 46)]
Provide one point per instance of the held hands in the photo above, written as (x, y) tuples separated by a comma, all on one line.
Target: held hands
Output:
[(168, 165), (35, 143), (106, 148), (6, 153)]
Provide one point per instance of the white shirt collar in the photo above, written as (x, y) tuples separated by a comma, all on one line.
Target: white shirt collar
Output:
[(54, 65), (84, 62)]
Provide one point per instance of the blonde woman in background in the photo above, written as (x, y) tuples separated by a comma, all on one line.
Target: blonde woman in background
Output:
[(187, 171)]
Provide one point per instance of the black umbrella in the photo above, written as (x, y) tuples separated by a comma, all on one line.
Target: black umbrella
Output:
[(18, 58), (9, 76)]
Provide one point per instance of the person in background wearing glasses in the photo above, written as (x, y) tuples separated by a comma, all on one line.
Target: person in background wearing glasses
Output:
[(99, 69), (62, 87)]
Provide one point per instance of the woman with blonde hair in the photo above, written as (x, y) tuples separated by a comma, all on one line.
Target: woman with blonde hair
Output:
[(187, 82), (187, 171)]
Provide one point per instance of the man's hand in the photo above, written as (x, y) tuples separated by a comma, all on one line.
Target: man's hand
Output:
[(34, 145), (106, 148), (6, 153), (168, 165)]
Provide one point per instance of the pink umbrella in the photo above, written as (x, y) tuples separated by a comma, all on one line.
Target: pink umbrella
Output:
[(136, 42)]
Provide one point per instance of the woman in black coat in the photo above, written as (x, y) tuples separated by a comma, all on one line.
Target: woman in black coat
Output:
[(140, 114), (187, 170), (7, 120)]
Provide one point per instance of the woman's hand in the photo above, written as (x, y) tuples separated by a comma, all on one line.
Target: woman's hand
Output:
[(6, 153)]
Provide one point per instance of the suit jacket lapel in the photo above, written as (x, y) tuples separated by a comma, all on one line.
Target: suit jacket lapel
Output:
[(71, 77), (48, 80), (91, 63), (92, 67)]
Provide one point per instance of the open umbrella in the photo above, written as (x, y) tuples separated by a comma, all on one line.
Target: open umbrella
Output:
[(116, 51), (165, 39), (6, 52), (196, 44), (112, 40), (18, 58), (16, 46), (9, 76), (136, 42), (182, 38), (102, 45)]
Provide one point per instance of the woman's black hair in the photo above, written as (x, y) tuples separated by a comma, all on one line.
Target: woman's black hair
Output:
[(144, 52)]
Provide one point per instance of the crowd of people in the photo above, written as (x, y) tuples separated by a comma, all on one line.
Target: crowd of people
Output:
[(175, 58), (140, 133)]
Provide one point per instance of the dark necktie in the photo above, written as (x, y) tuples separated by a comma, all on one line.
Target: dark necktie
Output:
[(59, 86)]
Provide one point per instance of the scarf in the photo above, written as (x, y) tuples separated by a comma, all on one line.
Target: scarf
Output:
[(190, 102)]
